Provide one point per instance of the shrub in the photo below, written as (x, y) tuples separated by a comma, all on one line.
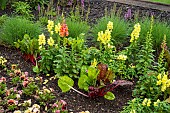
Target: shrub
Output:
[(119, 32), (15, 28)]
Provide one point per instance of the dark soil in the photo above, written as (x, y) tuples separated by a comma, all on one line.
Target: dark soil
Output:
[(76, 102)]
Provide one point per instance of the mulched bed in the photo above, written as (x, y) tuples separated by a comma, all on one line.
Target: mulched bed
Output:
[(76, 102)]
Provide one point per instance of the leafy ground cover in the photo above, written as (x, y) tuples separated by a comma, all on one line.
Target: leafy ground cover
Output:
[(59, 71)]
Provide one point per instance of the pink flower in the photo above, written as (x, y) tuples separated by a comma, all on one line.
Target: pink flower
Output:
[(7, 92), (55, 105), (2, 79), (25, 83), (64, 104), (57, 111), (11, 102), (26, 73), (20, 92)]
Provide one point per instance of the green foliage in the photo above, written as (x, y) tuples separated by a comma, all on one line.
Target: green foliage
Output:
[(135, 106), (119, 32), (15, 28), (88, 78), (3, 18), (159, 30), (146, 87), (23, 9), (77, 27), (3, 87), (109, 96), (145, 55), (34, 3), (3, 4), (65, 83), (30, 89), (28, 45)]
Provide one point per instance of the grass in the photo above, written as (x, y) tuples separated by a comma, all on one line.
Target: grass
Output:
[(161, 1)]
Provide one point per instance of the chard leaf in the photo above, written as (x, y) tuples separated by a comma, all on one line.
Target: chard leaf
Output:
[(109, 96), (65, 83), (82, 82)]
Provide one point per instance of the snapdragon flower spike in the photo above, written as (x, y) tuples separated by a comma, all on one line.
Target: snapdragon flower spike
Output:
[(64, 30)]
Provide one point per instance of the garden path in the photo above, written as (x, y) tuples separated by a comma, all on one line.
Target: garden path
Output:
[(145, 3)]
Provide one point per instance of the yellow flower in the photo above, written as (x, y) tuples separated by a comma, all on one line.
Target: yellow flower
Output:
[(135, 32), (28, 111), (50, 25), (156, 103), (149, 102), (36, 106), (168, 83), (94, 63), (2, 60), (104, 37), (57, 28), (144, 101), (122, 57), (164, 78), (159, 76), (133, 111), (17, 111), (110, 25), (163, 88), (41, 39), (50, 41), (46, 90), (159, 82)]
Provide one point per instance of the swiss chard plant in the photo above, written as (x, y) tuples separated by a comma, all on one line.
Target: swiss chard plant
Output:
[(28, 47)]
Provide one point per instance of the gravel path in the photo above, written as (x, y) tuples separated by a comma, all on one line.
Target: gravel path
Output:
[(145, 3)]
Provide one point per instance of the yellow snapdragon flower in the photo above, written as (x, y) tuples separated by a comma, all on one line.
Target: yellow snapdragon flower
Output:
[(149, 102), (163, 88), (41, 39), (110, 25), (159, 82), (57, 28), (50, 41), (156, 103), (135, 32), (159, 76), (144, 101), (104, 37), (94, 63), (122, 57), (165, 78), (50, 25)]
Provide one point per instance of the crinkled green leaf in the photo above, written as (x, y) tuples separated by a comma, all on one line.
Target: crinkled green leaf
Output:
[(65, 83), (109, 96)]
